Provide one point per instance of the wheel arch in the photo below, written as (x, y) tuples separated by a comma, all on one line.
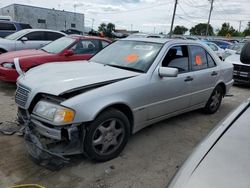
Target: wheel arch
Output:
[(124, 108), (223, 86)]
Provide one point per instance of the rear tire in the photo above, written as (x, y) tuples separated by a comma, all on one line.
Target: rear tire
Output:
[(107, 135), (214, 101)]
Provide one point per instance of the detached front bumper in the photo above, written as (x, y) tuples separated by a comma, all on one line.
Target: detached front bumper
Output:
[(49, 146)]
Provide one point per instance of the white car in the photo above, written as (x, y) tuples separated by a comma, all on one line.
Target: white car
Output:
[(232, 49), (241, 71), (28, 39), (218, 51)]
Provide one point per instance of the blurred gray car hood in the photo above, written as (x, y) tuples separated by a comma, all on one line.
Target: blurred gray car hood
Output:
[(221, 160), (235, 59), (59, 77), (227, 165)]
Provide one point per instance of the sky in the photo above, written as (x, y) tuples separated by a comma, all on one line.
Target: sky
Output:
[(151, 16)]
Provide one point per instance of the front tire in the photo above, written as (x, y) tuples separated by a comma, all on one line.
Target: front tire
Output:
[(214, 101), (107, 135)]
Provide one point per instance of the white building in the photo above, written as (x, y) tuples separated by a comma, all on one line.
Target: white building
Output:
[(44, 18)]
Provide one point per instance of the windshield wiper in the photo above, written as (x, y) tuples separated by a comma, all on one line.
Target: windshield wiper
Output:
[(126, 68), (43, 50)]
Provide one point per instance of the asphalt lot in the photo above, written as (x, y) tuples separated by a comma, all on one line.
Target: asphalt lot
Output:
[(150, 159)]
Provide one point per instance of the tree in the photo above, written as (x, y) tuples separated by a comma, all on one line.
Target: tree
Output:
[(226, 30), (200, 29), (246, 32), (106, 29), (180, 30)]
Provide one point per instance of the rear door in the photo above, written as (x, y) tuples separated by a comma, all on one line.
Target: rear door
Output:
[(170, 95), (205, 73)]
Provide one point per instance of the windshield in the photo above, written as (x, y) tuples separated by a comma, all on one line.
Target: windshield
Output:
[(17, 35), (130, 55), (58, 45)]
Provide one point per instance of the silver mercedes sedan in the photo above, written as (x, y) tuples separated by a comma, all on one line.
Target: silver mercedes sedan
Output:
[(94, 106)]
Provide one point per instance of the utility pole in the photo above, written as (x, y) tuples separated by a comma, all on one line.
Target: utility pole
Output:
[(209, 17), (240, 25), (93, 20), (172, 23)]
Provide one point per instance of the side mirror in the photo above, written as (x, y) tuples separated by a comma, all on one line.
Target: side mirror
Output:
[(245, 53), (23, 39), (68, 53), (168, 72)]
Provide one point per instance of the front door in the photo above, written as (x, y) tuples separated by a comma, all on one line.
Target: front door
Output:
[(170, 95)]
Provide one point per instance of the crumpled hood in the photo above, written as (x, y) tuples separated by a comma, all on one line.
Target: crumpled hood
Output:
[(9, 56), (235, 59), (57, 78)]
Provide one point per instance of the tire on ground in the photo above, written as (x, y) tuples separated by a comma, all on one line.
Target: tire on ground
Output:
[(208, 109), (91, 129)]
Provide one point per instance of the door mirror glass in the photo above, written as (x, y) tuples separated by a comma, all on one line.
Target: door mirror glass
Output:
[(168, 72), (68, 53), (23, 39)]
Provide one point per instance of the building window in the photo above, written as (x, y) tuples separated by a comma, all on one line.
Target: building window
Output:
[(73, 25), (41, 21)]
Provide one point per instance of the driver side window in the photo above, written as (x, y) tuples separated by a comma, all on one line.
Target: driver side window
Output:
[(86, 47), (177, 57)]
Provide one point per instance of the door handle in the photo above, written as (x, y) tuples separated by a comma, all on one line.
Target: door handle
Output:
[(188, 79), (214, 73)]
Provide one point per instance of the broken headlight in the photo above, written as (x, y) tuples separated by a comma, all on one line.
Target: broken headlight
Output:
[(53, 112)]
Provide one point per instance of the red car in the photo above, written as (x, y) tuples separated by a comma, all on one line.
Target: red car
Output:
[(69, 48)]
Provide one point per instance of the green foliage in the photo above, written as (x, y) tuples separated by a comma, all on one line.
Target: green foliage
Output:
[(246, 32), (180, 30), (226, 30), (107, 29), (200, 29)]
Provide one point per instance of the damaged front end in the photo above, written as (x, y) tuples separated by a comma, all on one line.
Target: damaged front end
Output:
[(49, 145)]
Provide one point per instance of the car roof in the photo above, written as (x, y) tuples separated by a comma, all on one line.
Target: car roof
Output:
[(29, 30), (162, 40), (15, 22), (87, 37), (154, 40)]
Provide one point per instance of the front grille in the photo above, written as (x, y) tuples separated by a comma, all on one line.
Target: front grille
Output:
[(22, 94), (242, 68)]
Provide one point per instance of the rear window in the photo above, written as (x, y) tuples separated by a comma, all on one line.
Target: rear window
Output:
[(51, 36), (25, 26), (7, 27)]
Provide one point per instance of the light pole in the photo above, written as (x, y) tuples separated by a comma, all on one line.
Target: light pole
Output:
[(209, 17), (172, 23)]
